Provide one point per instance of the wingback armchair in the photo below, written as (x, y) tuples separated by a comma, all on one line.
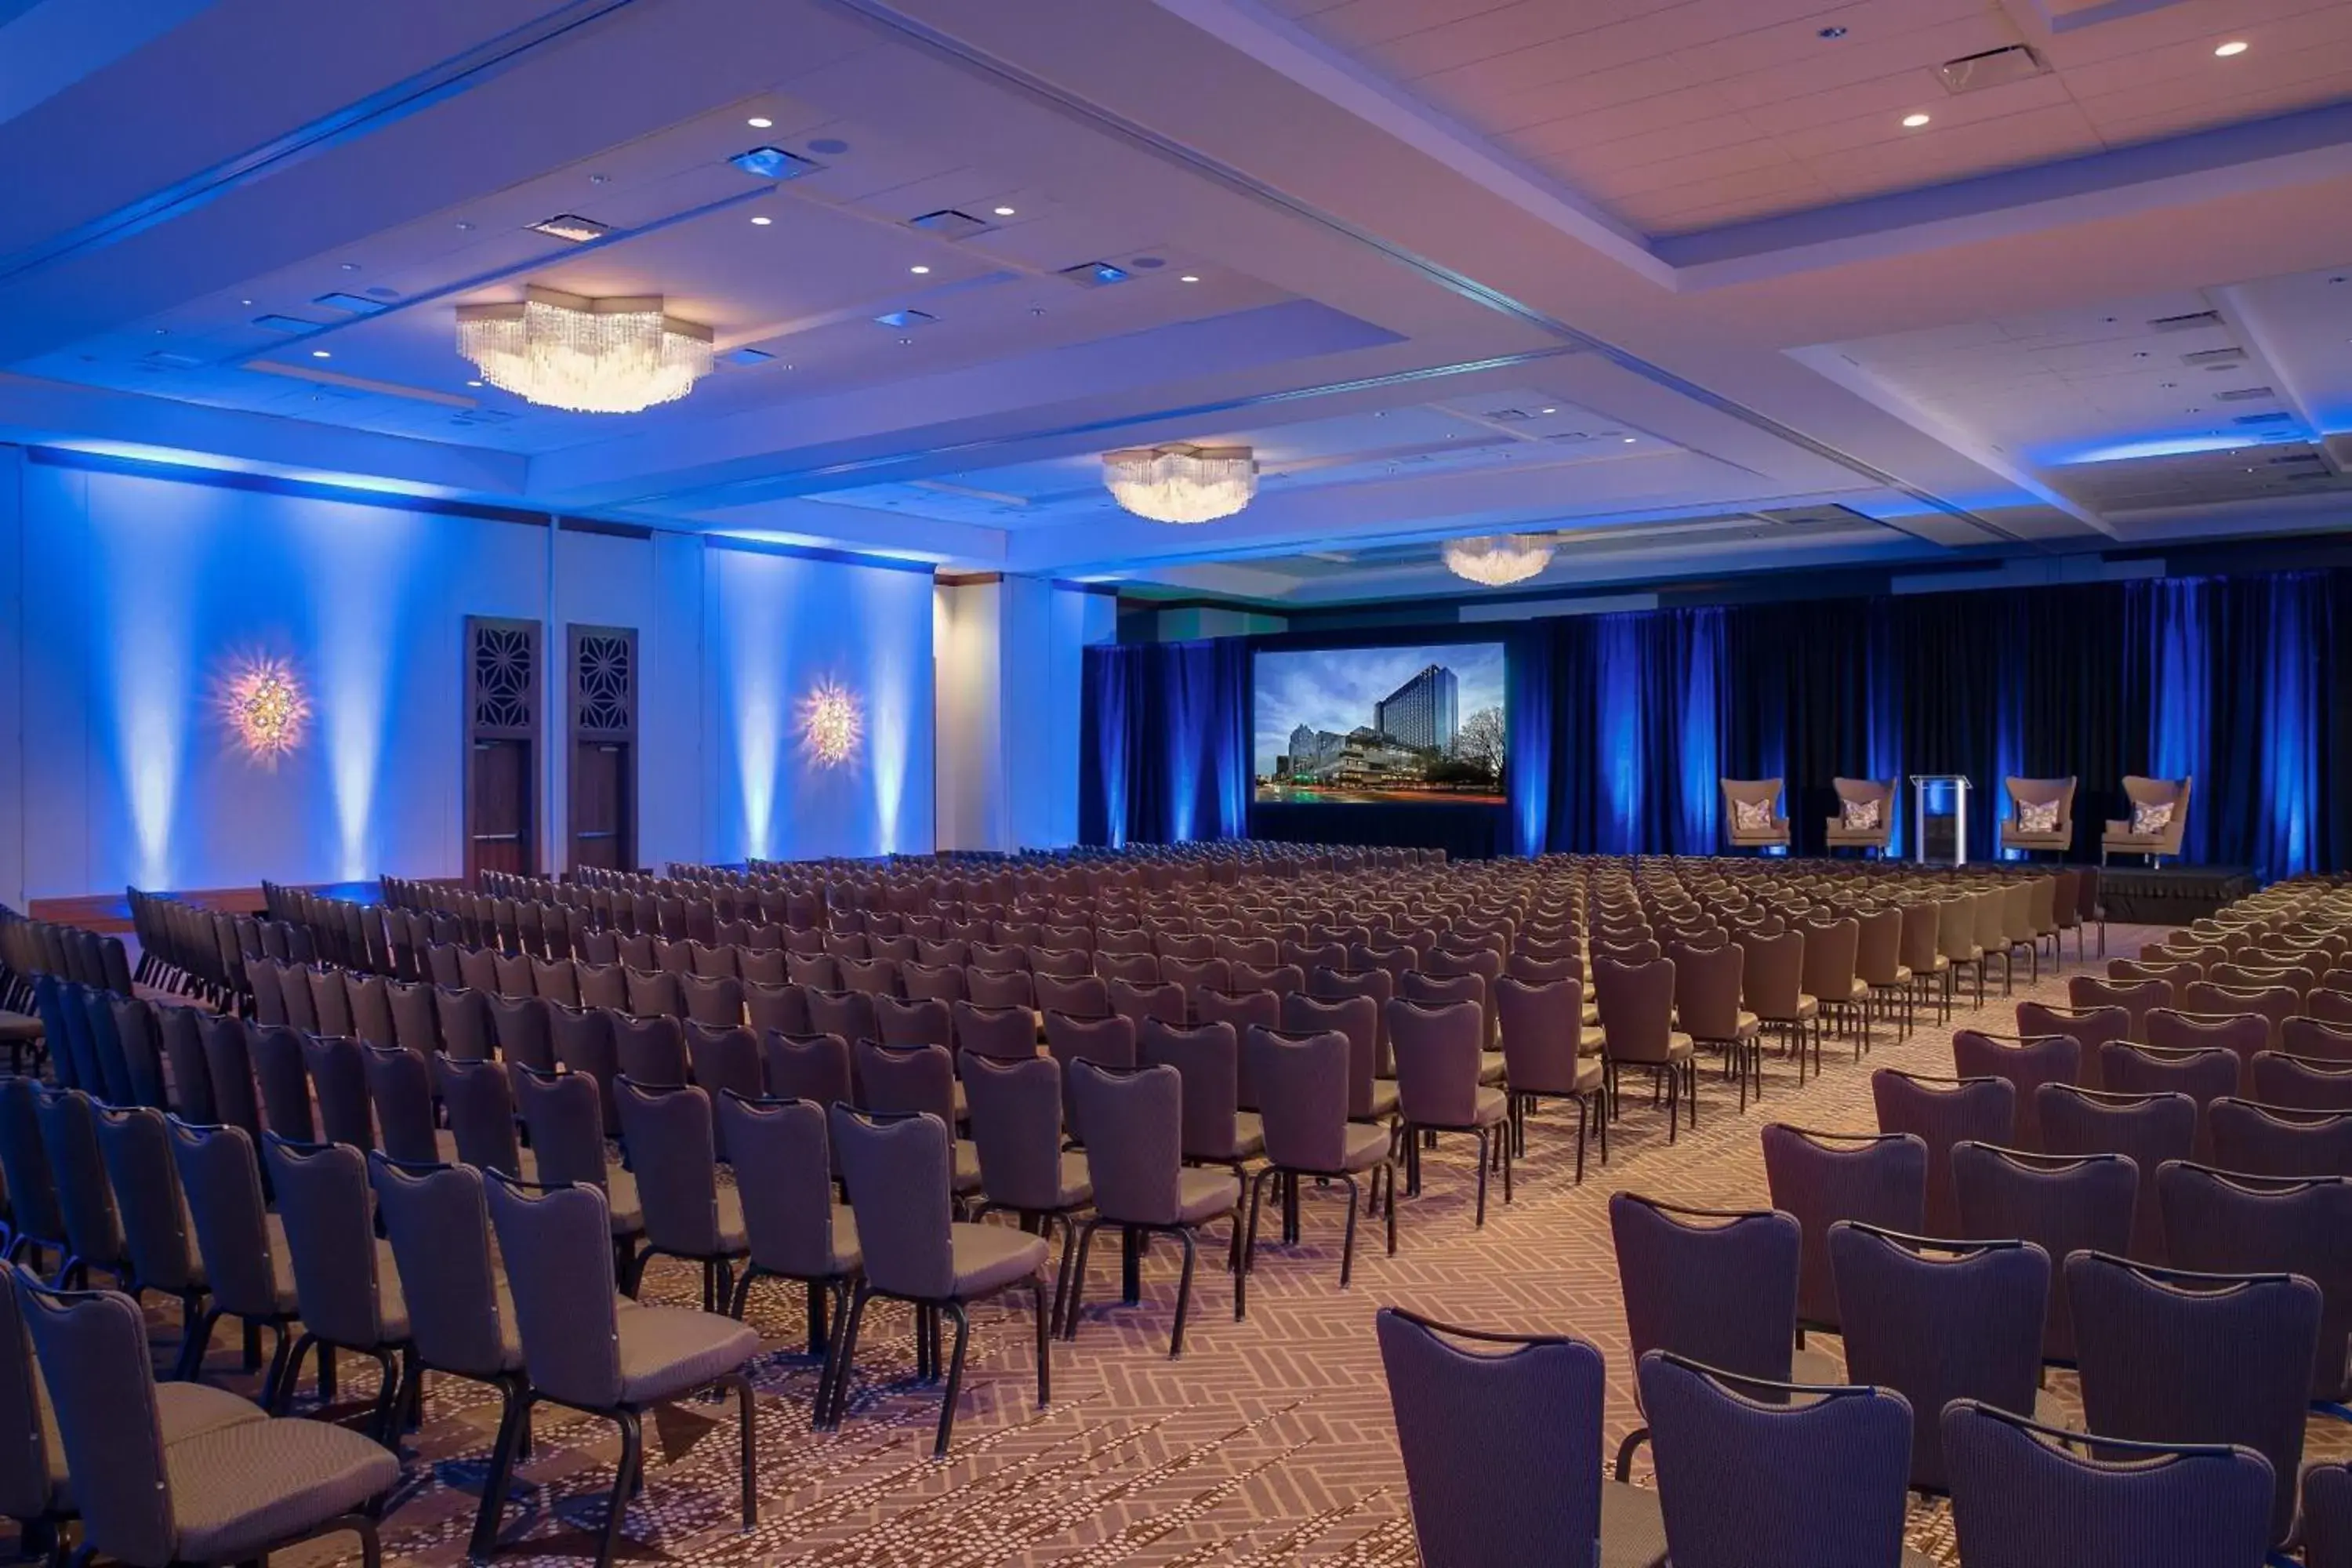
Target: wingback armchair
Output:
[(1773, 826), (2165, 839), (1855, 797), (2028, 797)]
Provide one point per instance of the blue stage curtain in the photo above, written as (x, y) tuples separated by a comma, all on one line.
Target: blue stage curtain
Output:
[(1164, 747), (1528, 719), (1637, 710)]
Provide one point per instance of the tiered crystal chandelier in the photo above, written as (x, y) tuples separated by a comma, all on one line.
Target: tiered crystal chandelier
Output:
[(592, 356), (1496, 560), (1182, 483)]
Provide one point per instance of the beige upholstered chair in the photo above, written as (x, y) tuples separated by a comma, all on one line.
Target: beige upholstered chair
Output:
[(1753, 792), (1862, 793), (2119, 838), (2037, 793)]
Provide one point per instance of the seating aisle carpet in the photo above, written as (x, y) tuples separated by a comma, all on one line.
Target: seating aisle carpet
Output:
[(1270, 1443)]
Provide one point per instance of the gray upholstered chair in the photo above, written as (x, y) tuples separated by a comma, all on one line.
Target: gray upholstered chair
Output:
[(897, 1171), (1771, 829), (672, 1140), (2062, 1204), (783, 1170), (1865, 820), (151, 1491), (1461, 1397), (1545, 1057), (2035, 798), (586, 1348), (1140, 1183), (1016, 1130), (345, 1280), (1437, 1087), (2147, 797), (1820, 1178), (159, 1241), (2021, 1497), (560, 1113)]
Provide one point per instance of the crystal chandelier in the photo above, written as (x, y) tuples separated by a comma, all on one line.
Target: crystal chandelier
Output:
[(592, 356), (1496, 560), (1182, 483)]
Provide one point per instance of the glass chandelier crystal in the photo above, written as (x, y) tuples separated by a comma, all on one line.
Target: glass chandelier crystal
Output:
[(1182, 483), (592, 356), (1496, 560)]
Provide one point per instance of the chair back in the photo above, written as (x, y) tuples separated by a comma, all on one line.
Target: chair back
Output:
[(560, 1113), (338, 1073), (136, 1143), (480, 1103), (1138, 1121), (27, 1490), (1772, 973), (1543, 1031), (1637, 1004), (650, 1051), (673, 1150), (2278, 1140), (467, 1024), (523, 1029), (2169, 1356), (1942, 1112), (1437, 1050), (93, 1225), (783, 1172), (1939, 1320), (897, 1170), (323, 1197), (1819, 1178), (2146, 1128), (438, 1222), (220, 1174), (1719, 1288), (2306, 1083), (2317, 1037), (2025, 1064), (92, 1347), (1821, 1471), (2225, 1221), (557, 1244), (1207, 1061), (2062, 1204), (1016, 1125), (905, 1080), (228, 1069), (806, 1067), (2021, 1497), (2089, 994), (1302, 1087), (2204, 1075), (2244, 1035), (1462, 1398)]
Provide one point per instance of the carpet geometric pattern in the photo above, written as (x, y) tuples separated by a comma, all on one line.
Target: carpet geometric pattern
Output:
[(1270, 1443)]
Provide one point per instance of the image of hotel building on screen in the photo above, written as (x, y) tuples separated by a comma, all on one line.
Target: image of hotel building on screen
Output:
[(1411, 739)]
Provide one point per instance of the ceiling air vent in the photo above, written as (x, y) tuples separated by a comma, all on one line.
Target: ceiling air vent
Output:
[(2195, 322), (948, 224), (773, 164), (2245, 395), (2214, 359), (1992, 68), (572, 227), (2271, 418), (1095, 274), (902, 320), (745, 357)]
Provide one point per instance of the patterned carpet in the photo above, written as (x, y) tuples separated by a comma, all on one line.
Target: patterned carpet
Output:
[(1270, 1443)]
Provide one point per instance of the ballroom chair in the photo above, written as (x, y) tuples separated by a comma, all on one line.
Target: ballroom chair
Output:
[(1819, 1178), (2160, 815)]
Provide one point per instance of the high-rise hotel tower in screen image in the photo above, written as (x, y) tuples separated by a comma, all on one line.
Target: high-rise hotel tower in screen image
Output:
[(1424, 711)]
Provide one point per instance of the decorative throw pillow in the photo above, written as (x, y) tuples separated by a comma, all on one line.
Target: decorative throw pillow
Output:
[(2147, 821), (2037, 816), (1752, 815), (1861, 815)]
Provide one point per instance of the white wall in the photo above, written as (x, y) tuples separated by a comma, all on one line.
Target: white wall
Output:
[(142, 592), (1011, 662)]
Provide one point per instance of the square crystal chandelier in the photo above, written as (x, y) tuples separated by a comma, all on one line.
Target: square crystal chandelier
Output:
[(592, 356)]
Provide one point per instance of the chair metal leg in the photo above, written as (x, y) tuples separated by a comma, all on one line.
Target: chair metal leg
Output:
[(624, 1475), (194, 1342), (1072, 1303), (1183, 1296), (1348, 1248), (1391, 1168), (1481, 1221), (955, 1372), (845, 1351), (513, 1401), (750, 1450), (1044, 1344)]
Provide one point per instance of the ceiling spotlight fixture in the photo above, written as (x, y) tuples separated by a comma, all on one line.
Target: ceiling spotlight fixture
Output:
[(321, 353), (763, 221), (592, 356), (1180, 482), (1004, 212), (473, 383), (918, 271), (1912, 121), (1630, 439), (1190, 277), (1496, 560), (1551, 410), (2234, 46), (758, 122)]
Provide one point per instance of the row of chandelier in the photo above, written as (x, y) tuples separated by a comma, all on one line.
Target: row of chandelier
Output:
[(624, 355)]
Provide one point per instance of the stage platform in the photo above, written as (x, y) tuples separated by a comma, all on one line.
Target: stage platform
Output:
[(2171, 895)]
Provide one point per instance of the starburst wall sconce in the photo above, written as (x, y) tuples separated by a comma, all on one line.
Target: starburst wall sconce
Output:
[(833, 722), (263, 705)]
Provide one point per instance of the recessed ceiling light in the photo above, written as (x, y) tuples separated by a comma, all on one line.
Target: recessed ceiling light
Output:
[(762, 222), (918, 271), (1912, 121), (350, 267), (758, 122), (464, 228), (2234, 46), (1004, 212), (1190, 277), (1630, 439), (473, 383), (245, 301), (1551, 410), (321, 353)]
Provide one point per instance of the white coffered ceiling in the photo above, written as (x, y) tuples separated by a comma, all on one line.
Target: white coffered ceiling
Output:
[(1670, 281)]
